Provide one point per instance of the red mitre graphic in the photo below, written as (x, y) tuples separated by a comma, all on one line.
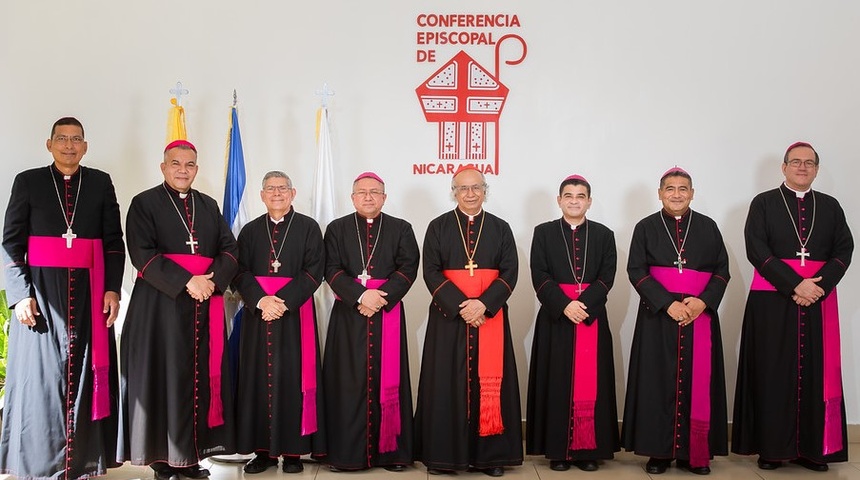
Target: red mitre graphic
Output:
[(462, 97)]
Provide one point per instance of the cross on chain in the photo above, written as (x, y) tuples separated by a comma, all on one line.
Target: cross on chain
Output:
[(471, 266), (191, 242), (680, 263), (276, 265), (364, 277), (69, 236), (802, 254)]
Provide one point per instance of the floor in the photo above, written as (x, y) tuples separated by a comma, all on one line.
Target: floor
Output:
[(626, 466)]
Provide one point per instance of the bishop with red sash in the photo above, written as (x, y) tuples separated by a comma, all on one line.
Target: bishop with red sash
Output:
[(789, 404), (571, 417), (64, 257), (176, 394), (676, 394), (279, 401), (371, 262), (468, 412)]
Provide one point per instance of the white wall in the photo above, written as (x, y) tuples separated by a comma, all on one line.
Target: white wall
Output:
[(617, 91)]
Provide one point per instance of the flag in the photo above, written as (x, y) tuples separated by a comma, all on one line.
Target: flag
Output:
[(235, 209), (176, 122), (235, 213), (323, 206)]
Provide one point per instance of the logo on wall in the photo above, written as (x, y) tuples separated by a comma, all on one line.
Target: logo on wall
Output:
[(464, 99)]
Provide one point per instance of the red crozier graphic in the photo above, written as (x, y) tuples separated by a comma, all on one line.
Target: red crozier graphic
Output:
[(463, 97)]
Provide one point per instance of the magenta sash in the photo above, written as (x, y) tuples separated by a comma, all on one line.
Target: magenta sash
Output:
[(584, 381), (692, 282), (89, 254), (389, 382), (833, 441), (199, 265), (271, 285)]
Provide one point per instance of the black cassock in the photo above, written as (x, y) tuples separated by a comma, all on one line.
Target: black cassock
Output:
[(164, 348), (447, 418), (269, 399), (352, 365), (48, 430), (590, 249), (658, 404), (779, 407)]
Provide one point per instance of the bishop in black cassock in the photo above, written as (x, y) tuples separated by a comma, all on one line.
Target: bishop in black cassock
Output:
[(371, 262), (279, 405), (571, 416), (788, 400), (177, 400), (468, 412), (54, 423), (676, 393)]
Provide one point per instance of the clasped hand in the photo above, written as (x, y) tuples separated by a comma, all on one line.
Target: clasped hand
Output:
[(372, 301), (808, 292), (687, 310), (272, 307), (576, 312), (201, 287), (473, 311)]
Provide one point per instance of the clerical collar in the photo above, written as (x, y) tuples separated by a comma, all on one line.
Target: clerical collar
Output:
[(172, 190), (677, 217), (65, 175), (470, 217), (798, 193), (572, 226), (368, 220), (283, 217)]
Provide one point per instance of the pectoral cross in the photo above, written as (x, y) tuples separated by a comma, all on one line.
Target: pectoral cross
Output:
[(69, 236), (276, 265), (802, 254), (471, 266), (191, 242), (579, 289), (364, 277), (680, 263)]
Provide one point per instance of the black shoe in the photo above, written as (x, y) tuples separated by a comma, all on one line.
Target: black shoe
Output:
[(585, 465), (292, 465), (656, 466), (394, 468), (810, 465), (332, 468), (768, 464), (494, 471), (685, 464), (164, 471), (194, 471), (260, 463), (440, 471), (559, 465)]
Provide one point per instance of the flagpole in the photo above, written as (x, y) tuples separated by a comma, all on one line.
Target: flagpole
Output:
[(324, 203)]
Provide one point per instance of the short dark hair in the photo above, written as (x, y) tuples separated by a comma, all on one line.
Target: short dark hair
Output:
[(574, 181), (797, 145), (67, 121), (676, 173)]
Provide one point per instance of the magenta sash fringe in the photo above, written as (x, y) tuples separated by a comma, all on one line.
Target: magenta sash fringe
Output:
[(584, 381), (833, 441), (692, 282), (271, 285), (199, 265), (389, 395), (89, 254)]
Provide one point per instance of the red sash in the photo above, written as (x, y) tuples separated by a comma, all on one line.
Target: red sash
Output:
[(89, 254), (584, 381), (833, 441), (271, 285), (692, 282), (491, 346), (199, 265)]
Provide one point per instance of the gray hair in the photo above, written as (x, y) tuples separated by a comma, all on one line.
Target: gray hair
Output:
[(277, 174), (483, 184)]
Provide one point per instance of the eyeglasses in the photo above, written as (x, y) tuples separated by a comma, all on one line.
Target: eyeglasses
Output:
[(364, 193), (76, 139), (469, 188), (277, 188), (796, 163)]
